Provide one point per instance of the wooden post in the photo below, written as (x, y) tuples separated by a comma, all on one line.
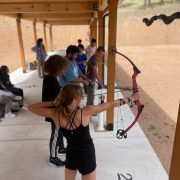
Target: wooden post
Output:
[(45, 37), (175, 162), (18, 21), (104, 44), (91, 32), (51, 37), (94, 29), (111, 60), (100, 42), (35, 31)]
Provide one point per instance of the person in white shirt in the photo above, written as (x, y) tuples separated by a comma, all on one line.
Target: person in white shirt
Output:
[(91, 49), (6, 98)]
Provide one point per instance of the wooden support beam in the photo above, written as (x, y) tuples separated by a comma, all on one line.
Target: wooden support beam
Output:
[(91, 21), (69, 22), (113, 4), (35, 31), (45, 37), (32, 16), (69, 19), (105, 41), (103, 4), (100, 42), (56, 15), (66, 24), (46, 8), (94, 29), (175, 162), (21, 46), (51, 38), (72, 19), (47, 1), (91, 32)]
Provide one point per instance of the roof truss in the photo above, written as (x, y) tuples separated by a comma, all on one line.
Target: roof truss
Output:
[(72, 11)]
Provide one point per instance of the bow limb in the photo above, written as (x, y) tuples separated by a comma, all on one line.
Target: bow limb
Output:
[(113, 51), (123, 133)]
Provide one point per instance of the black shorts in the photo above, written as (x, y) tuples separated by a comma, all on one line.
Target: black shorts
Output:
[(81, 158)]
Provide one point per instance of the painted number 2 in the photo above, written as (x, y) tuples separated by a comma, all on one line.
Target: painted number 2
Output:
[(124, 177)]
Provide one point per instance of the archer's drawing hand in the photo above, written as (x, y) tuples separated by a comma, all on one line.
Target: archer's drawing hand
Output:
[(100, 83), (89, 80), (85, 82)]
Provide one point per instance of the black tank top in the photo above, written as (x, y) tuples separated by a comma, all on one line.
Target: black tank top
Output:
[(78, 135)]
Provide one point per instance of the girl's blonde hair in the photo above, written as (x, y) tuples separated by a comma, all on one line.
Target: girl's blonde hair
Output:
[(66, 96)]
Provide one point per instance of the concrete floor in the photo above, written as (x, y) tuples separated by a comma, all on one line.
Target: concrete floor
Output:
[(24, 142)]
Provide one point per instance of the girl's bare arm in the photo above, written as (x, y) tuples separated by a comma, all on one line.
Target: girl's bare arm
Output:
[(89, 110), (43, 109)]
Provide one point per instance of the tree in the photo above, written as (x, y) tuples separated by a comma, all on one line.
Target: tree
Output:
[(147, 3)]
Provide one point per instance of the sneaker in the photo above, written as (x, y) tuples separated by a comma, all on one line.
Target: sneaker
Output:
[(17, 98), (55, 161), (14, 110), (24, 108), (9, 115), (62, 151)]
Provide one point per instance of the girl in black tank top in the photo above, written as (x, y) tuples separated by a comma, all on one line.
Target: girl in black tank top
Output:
[(74, 124), (76, 134), (80, 153)]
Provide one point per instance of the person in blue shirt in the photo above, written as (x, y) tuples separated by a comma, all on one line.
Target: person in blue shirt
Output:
[(73, 74), (81, 59), (40, 51), (81, 62)]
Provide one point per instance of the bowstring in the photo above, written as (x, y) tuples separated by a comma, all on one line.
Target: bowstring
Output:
[(121, 114)]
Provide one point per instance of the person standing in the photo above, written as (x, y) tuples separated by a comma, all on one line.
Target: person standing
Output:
[(91, 49), (74, 124), (81, 62), (81, 59), (73, 73), (79, 42), (92, 74), (54, 67), (40, 51)]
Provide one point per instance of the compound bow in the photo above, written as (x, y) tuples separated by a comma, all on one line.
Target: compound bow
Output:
[(122, 133)]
